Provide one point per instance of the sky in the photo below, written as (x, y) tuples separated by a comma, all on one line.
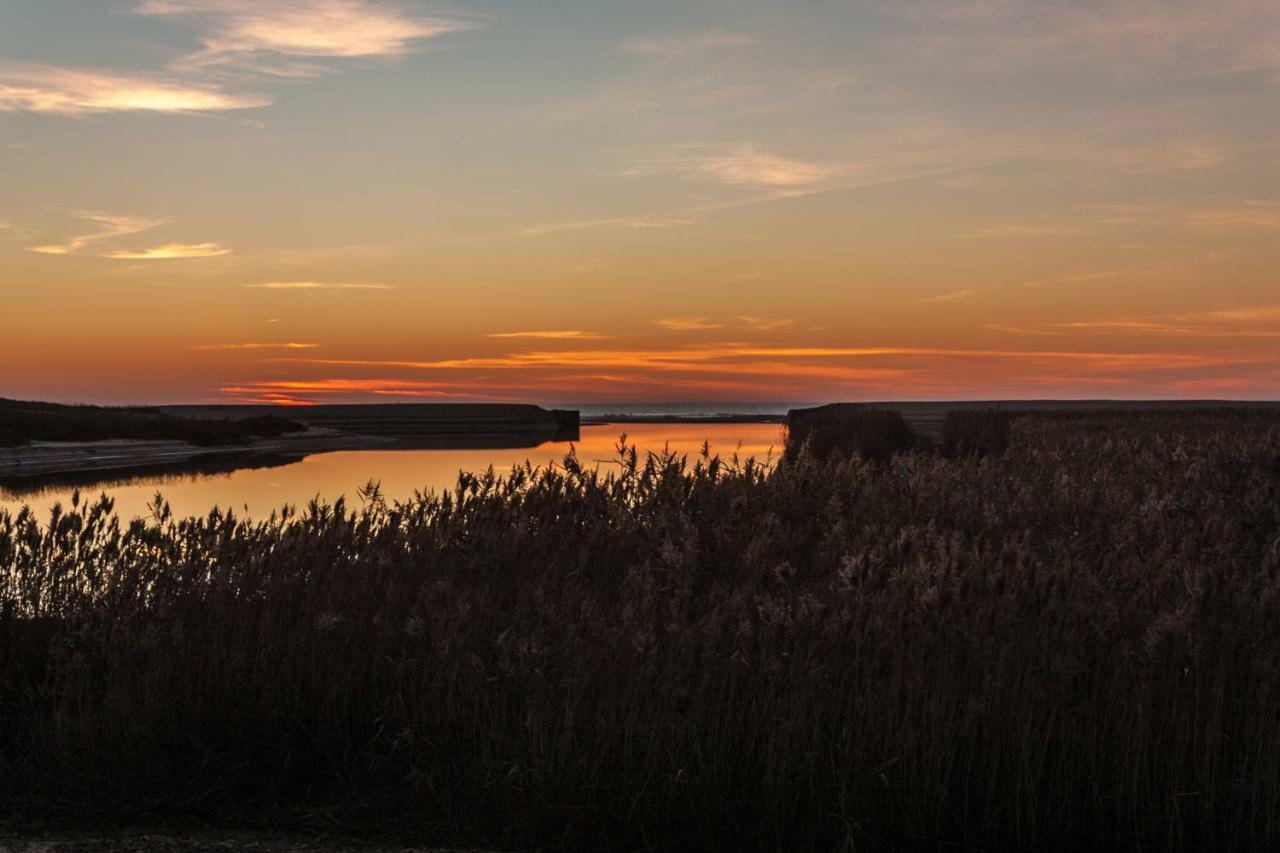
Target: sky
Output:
[(598, 201)]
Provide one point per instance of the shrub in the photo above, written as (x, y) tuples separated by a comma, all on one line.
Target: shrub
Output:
[(976, 431), (22, 423), (843, 430)]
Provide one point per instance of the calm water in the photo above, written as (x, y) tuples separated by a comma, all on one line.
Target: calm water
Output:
[(401, 472)]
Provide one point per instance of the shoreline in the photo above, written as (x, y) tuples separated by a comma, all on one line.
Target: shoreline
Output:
[(429, 431)]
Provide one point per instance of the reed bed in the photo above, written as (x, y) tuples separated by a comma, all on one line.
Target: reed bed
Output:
[(1070, 644)]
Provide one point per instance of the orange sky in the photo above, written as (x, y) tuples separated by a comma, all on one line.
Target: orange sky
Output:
[(342, 200)]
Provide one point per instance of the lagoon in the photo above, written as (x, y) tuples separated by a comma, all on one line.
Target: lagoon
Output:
[(257, 491)]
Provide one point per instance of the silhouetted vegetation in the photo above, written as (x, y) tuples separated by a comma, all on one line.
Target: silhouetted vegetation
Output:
[(1072, 644), (847, 430), (24, 422), (976, 431)]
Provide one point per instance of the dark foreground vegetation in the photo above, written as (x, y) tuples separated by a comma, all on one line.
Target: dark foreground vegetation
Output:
[(24, 422), (1073, 643)]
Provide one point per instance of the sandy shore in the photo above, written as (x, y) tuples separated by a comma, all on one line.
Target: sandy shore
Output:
[(44, 458)]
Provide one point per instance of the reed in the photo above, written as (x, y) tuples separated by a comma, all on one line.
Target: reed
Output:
[(846, 430), (1070, 644), (977, 431)]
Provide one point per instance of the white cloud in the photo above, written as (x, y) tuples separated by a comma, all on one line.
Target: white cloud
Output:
[(255, 34), (71, 91)]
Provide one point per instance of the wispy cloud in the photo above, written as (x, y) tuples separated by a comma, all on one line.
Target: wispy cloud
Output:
[(254, 346), (746, 165), (112, 225), (687, 324), (318, 285), (1261, 321), (1241, 213), (71, 92), (553, 335), (763, 324), (1189, 37), (1025, 230), (293, 389), (684, 44), (953, 296), (798, 361), (170, 252), (268, 37), (641, 223), (1132, 271), (1256, 314), (721, 369)]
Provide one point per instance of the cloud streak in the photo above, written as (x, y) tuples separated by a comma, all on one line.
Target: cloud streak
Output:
[(76, 92), (317, 285), (634, 222), (552, 335), (686, 44), (113, 226), (1250, 322), (953, 296), (290, 345), (1191, 37), (170, 252), (748, 371), (687, 324)]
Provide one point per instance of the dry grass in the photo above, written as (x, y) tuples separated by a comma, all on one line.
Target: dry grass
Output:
[(1073, 644), (841, 430)]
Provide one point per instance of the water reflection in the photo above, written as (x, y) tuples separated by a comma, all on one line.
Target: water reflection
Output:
[(271, 483)]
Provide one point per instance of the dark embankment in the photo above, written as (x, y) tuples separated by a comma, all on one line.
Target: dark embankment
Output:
[(23, 422), (426, 425), (1071, 644)]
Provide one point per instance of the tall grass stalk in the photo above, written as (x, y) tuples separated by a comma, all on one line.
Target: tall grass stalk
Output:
[(1073, 644)]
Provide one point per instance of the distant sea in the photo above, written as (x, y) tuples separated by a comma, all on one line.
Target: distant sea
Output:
[(598, 411)]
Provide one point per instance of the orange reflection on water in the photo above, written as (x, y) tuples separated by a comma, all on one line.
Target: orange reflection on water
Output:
[(257, 492)]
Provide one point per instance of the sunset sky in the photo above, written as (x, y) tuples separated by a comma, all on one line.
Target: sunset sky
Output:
[(590, 200)]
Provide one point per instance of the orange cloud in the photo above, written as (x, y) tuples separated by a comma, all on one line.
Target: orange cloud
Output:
[(783, 361), (948, 297), (1254, 322), (553, 334), (253, 346), (646, 224), (687, 324), (169, 252), (763, 324), (318, 285)]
